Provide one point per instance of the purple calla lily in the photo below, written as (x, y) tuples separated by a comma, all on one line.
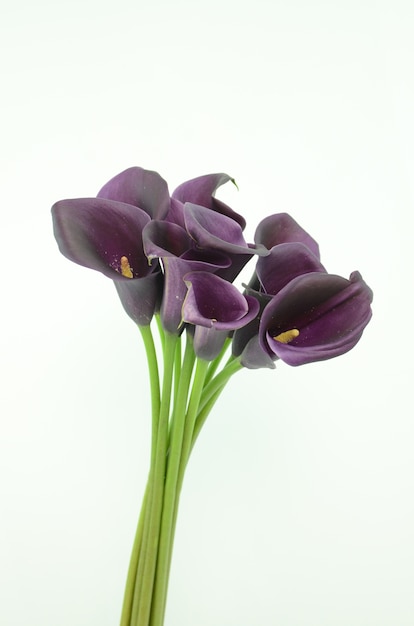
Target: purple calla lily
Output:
[(220, 232), (315, 317), (285, 262), (215, 231), (106, 235), (211, 301), (282, 228), (201, 191), (141, 188), (215, 307), (175, 247), (210, 242)]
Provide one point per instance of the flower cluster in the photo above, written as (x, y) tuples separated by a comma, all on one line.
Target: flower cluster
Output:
[(178, 255)]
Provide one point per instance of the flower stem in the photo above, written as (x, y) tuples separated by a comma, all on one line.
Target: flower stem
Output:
[(210, 395), (212, 368), (133, 565), (186, 427), (219, 381), (174, 433), (192, 411), (146, 568), (171, 493), (155, 404)]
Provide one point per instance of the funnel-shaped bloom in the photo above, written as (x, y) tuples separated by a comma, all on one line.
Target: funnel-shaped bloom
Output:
[(201, 191), (106, 235), (175, 247), (213, 231), (315, 317), (285, 262), (216, 308), (141, 188), (282, 228), (209, 241), (215, 303)]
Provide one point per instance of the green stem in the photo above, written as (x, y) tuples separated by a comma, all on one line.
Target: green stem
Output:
[(160, 330), (133, 566), (171, 446), (171, 493), (192, 411), (179, 470), (212, 368), (219, 381), (210, 395), (203, 415), (177, 367), (136, 549), (154, 380), (146, 570)]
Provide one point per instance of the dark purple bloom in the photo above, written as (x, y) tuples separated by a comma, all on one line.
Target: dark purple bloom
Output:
[(220, 232), (201, 191), (209, 242), (285, 262), (175, 247), (142, 188), (315, 317), (106, 235), (213, 230), (281, 228), (215, 307), (213, 302)]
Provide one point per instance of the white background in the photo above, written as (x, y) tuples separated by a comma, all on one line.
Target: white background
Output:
[(298, 507)]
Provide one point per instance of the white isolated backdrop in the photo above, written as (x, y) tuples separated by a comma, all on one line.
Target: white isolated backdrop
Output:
[(298, 505)]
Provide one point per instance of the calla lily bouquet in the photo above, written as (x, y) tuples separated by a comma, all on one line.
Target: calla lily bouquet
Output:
[(173, 259)]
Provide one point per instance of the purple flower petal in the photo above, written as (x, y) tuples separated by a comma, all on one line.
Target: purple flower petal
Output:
[(201, 191), (98, 233), (176, 213), (315, 317), (214, 231), (106, 236), (285, 262), (141, 188), (214, 302), (162, 239), (174, 246), (245, 343), (141, 297), (208, 342), (253, 356), (281, 228)]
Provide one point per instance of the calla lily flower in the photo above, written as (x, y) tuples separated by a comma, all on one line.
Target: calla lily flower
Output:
[(201, 191), (213, 302), (215, 307), (209, 242), (106, 235), (215, 231), (220, 232), (282, 228), (179, 256), (315, 317), (285, 262), (141, 188)]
